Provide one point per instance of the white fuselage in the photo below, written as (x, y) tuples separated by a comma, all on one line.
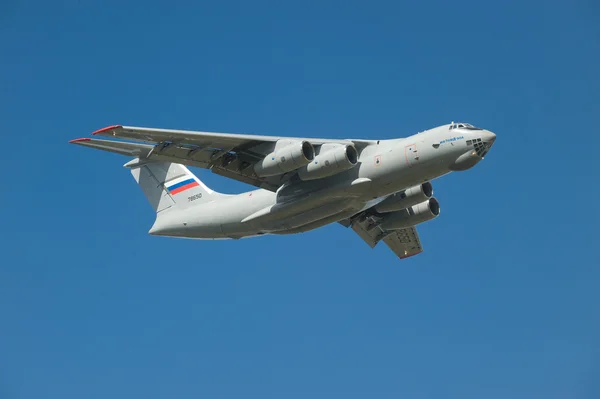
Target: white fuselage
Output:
[(384, 168)]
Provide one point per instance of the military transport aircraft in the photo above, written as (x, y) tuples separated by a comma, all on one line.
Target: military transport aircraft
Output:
[(379, 188)]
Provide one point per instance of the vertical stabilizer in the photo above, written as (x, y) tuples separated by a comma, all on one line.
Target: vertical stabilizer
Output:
[(168, 185)]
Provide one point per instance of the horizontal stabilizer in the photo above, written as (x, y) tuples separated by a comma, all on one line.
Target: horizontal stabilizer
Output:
[(137, 150)]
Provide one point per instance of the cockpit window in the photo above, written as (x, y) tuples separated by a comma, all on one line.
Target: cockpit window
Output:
[(463, 125)]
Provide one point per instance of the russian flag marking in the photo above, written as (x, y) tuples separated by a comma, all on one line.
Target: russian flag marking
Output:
[(182, 186)]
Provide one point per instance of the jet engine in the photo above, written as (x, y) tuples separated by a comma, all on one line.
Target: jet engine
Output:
[(286, 159), (329, 163), (412, 216), (404, 199)]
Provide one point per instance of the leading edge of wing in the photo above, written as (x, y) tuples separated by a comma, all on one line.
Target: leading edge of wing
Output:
[(158, 135)]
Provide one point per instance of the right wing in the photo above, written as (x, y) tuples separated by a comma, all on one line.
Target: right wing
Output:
[(403, 242), (226, 154)]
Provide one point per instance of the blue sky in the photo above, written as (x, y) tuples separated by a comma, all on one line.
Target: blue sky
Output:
[(503, 303)]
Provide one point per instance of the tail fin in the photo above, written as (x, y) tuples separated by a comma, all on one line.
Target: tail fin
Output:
[(168, 185)]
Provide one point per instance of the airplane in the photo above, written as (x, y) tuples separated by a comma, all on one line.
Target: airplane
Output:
[(381, 189)]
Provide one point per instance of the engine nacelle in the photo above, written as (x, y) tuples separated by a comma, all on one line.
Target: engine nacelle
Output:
[(286, 159), (404, 199), (330, 162), (412, 216)]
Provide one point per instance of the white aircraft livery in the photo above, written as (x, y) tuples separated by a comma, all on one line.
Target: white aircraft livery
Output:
[(379, 188)]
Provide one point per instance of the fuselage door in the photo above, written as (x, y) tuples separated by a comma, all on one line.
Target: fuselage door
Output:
[(412, 155)]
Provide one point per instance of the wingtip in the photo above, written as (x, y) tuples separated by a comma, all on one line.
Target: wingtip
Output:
[(408, 256), (79, 140), (105, 129)]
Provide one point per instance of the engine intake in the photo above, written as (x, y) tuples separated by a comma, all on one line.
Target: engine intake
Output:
[(329, 163), (412, 216), (286, 159), (404, 199)]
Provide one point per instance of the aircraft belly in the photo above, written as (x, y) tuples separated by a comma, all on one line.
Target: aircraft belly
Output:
[(336, 217), (315, 214), (179, 223), (272, 214), (239, 207), (407, 177)]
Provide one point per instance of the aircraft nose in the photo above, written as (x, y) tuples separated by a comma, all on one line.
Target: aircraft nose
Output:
[(483, 144), (488, 137)]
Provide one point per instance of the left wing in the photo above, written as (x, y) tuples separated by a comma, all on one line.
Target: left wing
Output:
[(227, 154), (403, 242)]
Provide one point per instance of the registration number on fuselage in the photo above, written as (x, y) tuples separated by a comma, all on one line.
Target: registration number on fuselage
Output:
[(195, 197)]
